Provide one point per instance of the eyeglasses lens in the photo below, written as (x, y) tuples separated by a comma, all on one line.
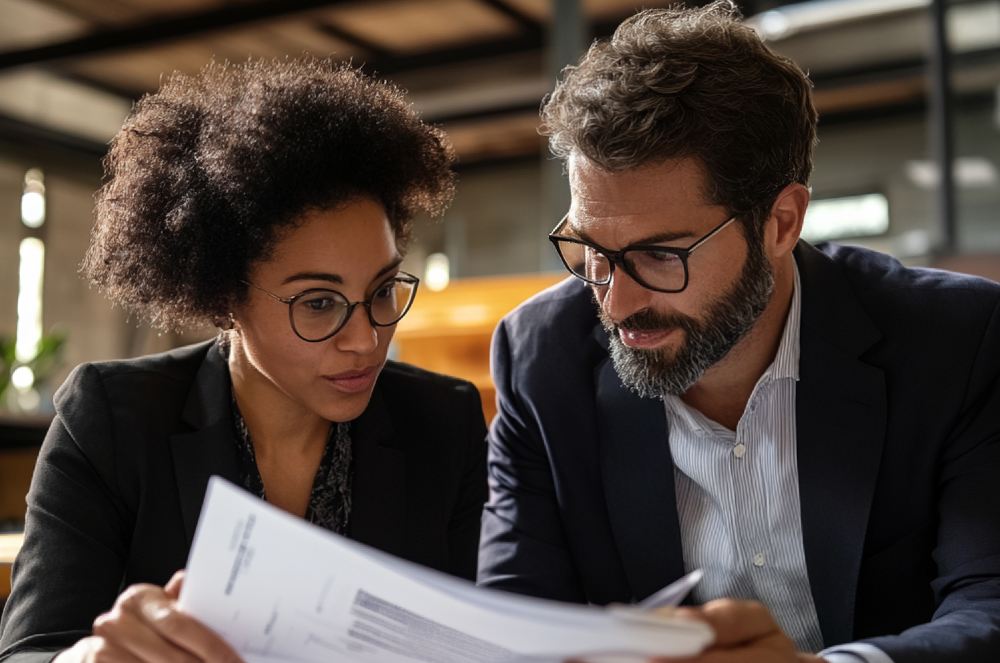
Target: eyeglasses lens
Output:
[(662, 270), (319, 313)]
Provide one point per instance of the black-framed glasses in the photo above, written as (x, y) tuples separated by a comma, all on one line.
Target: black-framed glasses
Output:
[(659, 268), (319, 313)]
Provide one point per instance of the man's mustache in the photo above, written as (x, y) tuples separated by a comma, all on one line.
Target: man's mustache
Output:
[(649, 320)]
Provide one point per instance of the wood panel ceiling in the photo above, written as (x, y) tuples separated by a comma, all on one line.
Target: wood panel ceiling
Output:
[(476, 66), (434, 48)]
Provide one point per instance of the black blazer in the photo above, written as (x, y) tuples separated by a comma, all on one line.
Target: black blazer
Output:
[(898, 429), (120, 479)]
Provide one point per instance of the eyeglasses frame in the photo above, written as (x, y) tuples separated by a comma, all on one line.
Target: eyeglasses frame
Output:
[(405, 277), (616, 258)]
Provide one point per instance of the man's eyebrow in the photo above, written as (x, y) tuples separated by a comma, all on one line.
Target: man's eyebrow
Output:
[(651, 239), (337, 278)]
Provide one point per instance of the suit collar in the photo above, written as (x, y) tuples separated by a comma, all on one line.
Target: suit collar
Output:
[(840, 413), (638, 476), (208, 447), (840, 410), (378, 492)]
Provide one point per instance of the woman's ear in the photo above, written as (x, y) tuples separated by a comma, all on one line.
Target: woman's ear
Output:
[(787, 215), (225, 322)]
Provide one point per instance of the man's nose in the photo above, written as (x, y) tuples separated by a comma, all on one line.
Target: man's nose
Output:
[(623, 296)]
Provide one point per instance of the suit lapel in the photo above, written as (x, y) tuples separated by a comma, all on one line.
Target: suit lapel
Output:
[(840, 414), (209, 448), (638, 478), (378, 511)]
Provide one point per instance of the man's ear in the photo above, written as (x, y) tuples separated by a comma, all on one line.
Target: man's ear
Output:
[(784, 225)]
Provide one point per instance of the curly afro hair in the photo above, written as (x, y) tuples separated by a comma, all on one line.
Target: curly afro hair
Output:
[(207, 172)]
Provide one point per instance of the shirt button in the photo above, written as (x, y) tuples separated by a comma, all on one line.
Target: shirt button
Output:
[(758, 560), (740, 450)]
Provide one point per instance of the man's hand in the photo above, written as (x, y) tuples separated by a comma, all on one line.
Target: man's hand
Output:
[(145, 624), (745, 632)]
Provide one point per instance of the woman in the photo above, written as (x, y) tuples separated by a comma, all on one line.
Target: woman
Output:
[(274, 199)]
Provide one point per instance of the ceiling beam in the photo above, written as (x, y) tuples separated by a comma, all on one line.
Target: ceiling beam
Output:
[(480, 49), (500, 110), (100, 85), (355, 40), (161, 29), (524, 21), (462, 53), (31, 134)]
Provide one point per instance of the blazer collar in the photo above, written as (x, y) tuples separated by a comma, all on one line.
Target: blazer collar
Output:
[(208, 447), (840, 410), (378, 492), (638, 476), (840, 415)]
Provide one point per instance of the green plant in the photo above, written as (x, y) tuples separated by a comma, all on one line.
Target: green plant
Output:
[(48, 357)]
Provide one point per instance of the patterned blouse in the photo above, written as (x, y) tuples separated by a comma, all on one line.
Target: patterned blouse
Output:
[(330, 501)]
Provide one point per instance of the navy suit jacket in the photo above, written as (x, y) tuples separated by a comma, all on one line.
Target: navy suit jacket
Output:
[(898, 433), (122, 473)]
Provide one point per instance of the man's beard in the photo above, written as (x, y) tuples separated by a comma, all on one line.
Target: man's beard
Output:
[(656, 373)]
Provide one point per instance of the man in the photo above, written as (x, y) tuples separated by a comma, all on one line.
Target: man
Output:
[(818, 429)]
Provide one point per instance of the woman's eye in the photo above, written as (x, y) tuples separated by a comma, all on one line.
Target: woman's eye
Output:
[(320, 303), (385, 291)]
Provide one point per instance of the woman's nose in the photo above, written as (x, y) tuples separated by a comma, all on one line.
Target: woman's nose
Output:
[(358, 335)]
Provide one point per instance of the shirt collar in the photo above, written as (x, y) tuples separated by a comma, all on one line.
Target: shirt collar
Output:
[(784, 366), (786, 360)]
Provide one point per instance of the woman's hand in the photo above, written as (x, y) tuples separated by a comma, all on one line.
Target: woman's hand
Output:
[(745, 632), (145, 624)]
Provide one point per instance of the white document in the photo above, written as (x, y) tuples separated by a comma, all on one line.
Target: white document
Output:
[(279, 589)]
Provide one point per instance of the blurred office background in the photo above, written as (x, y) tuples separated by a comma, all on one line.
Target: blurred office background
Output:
[(902, 86)]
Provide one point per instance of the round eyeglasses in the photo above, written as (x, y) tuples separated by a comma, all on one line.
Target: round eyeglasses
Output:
[(319, 313), (659, 268)]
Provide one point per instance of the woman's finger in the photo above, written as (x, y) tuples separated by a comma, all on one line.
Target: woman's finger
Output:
[(173, 588), (160, 613), (126, 630)]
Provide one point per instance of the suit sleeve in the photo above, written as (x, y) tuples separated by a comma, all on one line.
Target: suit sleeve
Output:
[(523, 547), (966, 624), (463, 529), (71, 565)]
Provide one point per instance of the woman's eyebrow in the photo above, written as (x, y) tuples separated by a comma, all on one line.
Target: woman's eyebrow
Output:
[(337, 278), (389, 267), (315, 276)]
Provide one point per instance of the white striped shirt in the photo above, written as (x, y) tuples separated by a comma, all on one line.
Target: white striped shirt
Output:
[(738, 501), (737, 496)]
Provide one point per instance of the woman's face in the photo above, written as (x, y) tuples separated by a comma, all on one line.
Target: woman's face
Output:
[(350, 249)]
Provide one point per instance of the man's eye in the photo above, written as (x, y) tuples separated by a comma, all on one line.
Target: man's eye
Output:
[(651, 256)]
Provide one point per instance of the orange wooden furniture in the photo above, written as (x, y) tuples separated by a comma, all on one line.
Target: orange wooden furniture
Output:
[(450, 331)]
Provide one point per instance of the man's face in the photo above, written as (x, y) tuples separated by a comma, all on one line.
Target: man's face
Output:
[(662, 343)]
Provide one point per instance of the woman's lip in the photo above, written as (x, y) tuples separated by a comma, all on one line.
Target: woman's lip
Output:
[(353, 381), (644, 339)]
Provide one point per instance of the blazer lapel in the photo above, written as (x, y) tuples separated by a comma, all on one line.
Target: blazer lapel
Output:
[(638, 476), (378, 510), (840, 414), (209, 448)]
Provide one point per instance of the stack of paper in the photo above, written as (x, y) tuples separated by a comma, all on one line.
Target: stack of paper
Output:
[(280, 589)]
